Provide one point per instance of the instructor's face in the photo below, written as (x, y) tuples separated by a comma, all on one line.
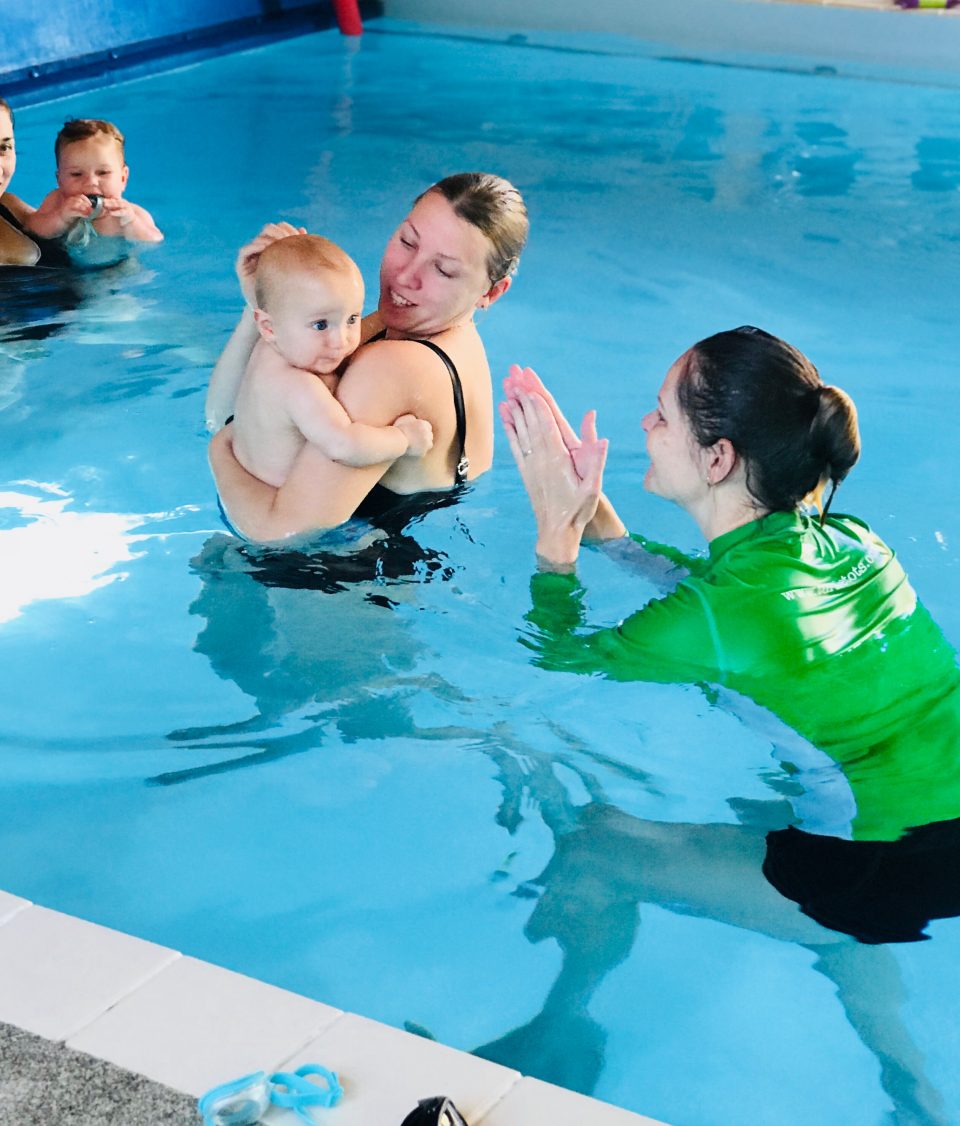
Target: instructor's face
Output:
[(676, 470)]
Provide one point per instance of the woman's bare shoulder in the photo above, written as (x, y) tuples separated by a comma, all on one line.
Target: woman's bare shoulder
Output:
[(16, 206), (406, 362)]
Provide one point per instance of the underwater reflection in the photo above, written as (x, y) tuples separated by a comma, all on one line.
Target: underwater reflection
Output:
[(312, 638), (938, 164), (36, 303), (608, 863)]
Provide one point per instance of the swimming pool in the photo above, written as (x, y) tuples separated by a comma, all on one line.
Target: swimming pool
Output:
[(346, 778)]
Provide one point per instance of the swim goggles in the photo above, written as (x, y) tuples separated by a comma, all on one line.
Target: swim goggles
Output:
[(438, 1111), (243, 1101)]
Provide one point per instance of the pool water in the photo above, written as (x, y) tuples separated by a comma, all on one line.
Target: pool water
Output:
[(340, 773)]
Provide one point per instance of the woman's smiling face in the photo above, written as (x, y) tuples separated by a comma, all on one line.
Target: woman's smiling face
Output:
[(434, 270)]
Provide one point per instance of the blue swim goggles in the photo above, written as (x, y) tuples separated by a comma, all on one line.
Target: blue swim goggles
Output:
[(242, 1102)]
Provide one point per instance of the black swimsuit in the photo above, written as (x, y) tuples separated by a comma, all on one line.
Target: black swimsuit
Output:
[(382, 506), (52, 252)]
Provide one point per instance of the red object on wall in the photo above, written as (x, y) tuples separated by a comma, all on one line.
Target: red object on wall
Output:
[(348, 17)]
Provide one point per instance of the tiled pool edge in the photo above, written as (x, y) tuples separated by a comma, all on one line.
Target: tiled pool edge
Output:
[(188, 1025)]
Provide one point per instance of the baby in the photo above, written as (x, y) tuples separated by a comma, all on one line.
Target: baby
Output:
[(91, 177), (309, 296)]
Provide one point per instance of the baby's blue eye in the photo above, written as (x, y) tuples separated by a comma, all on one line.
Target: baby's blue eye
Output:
[(320, 326), (353, 318)]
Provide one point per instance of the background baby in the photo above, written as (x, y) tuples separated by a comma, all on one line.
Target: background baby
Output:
[(91, 178), (309, 296)]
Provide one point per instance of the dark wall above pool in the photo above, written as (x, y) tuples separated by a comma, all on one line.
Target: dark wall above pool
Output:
[(44, 43)]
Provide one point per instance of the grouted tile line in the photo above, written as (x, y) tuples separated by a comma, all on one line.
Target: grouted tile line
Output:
[(176, 955), (322, 1030), (506, 1094)]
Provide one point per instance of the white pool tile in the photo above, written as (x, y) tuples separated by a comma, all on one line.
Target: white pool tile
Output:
[(194, 1026), (532, 1103), (58, 973), (10, 905), (385, 1072)]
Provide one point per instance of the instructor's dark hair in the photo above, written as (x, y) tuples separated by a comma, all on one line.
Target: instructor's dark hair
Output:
[(793, 431)]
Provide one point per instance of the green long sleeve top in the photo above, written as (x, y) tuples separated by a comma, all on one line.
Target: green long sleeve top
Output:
[(820, 625)]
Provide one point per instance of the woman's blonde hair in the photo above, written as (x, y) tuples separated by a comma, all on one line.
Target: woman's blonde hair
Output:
[(496, 208)]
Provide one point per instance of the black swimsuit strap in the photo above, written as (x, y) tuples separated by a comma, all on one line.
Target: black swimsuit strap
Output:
[(52, 252), (463, 465), (6, 213)]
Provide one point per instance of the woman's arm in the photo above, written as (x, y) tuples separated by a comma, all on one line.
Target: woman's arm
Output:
[(229, 369), (318, 493), (564, 488)]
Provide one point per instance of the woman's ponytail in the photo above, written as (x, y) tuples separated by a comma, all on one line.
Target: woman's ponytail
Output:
[(835, 437), (767, 399)]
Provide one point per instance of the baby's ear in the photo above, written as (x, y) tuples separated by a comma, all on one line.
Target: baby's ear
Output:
[(264, 324)]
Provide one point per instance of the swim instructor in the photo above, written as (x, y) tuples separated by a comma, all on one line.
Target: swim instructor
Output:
[(809, 615), (454, 253)]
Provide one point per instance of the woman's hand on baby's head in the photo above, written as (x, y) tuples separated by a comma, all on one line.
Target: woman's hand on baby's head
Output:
[(419, 434), (249, 254)]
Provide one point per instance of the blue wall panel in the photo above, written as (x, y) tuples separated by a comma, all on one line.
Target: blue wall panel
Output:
[(42, 34)]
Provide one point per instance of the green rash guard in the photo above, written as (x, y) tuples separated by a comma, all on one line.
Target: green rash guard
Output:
[(820, 625)]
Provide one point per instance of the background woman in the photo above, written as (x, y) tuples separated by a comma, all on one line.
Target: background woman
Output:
[(17, 248), (455, 253)]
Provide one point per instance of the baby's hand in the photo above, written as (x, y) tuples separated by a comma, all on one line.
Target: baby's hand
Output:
[(419, 434), (119, 210), (74, 207)]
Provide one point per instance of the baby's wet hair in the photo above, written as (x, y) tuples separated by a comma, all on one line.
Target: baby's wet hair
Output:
[(297, 254), (82, 128)]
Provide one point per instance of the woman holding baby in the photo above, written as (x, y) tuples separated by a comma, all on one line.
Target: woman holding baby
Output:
[(421, 354)]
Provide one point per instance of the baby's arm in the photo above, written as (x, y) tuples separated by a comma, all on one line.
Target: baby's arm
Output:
[(325, 424), (57, 214), (128, 220)]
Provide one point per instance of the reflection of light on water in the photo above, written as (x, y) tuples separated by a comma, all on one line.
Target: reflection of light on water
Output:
[(47, 551)]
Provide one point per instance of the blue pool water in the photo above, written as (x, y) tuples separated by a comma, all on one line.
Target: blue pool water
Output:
[(349, 780)]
